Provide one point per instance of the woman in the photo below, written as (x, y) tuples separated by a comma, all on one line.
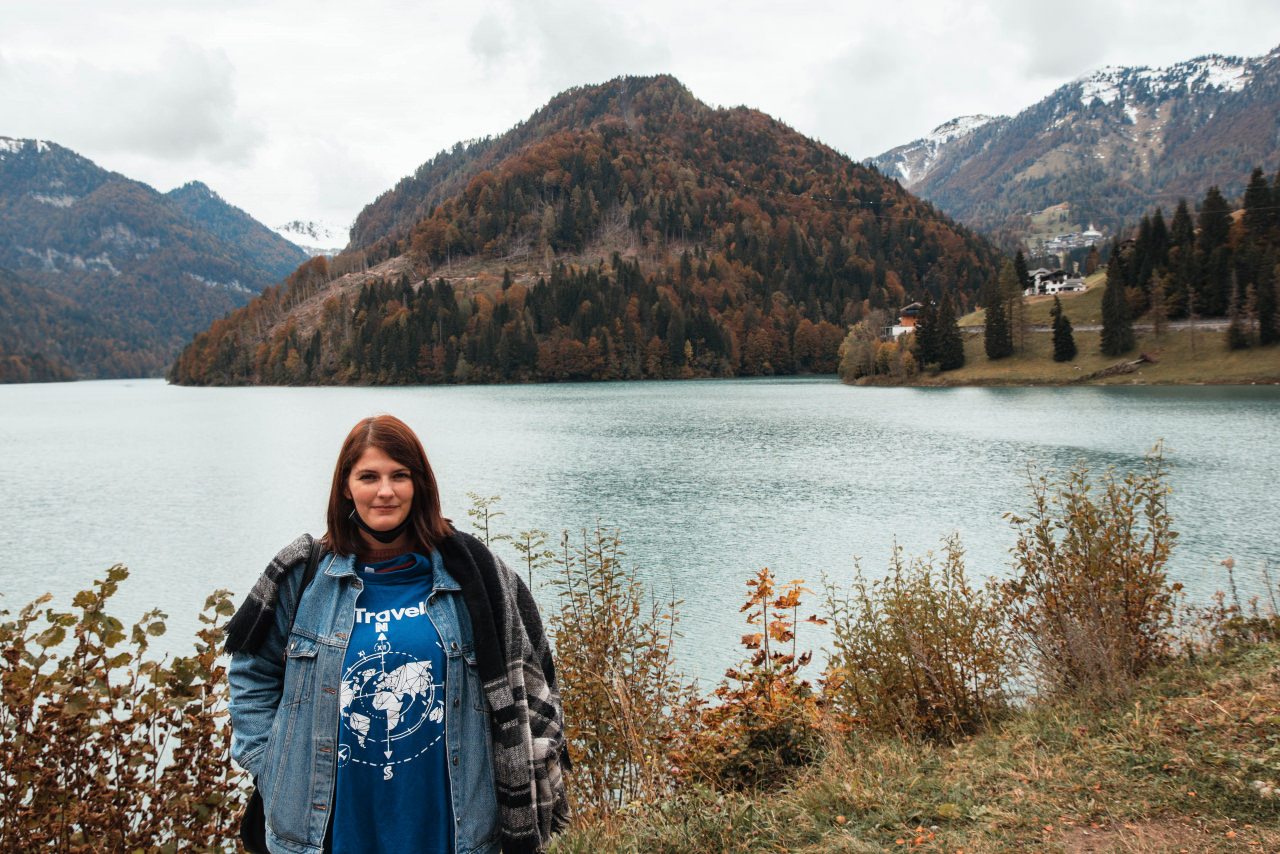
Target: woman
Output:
[(404, 700)]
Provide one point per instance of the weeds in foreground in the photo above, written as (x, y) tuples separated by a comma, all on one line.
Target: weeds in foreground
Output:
[(1090, 603), (1176, 769), (619, 685), (919, 653), (103, 749)]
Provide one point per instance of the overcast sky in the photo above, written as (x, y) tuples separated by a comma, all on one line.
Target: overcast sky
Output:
[(293, 109)]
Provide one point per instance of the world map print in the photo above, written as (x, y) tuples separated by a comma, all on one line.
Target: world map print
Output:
[(386, 698)]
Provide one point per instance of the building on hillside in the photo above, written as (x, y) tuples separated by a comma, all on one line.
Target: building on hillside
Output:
[(1045, 281), (1063, 243), (906, 322)]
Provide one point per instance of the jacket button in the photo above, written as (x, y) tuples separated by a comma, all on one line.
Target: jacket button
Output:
[(455, 760), (456, 702), (454, 646)]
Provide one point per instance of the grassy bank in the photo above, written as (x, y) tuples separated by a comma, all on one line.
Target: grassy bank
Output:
[(1176, 357), (1180, 357), (1173, 770)]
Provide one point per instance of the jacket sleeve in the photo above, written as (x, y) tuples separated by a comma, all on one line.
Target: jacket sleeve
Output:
[(256, 680)]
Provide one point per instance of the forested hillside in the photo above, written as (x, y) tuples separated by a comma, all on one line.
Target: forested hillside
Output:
[(624, 231), (122, 275), (45, 335)]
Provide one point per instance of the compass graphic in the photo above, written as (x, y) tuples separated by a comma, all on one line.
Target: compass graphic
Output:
[(386, 697)]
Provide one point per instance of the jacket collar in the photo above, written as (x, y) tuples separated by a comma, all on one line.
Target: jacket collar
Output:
[(344, 566)]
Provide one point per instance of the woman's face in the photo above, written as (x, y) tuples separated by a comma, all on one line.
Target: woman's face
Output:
[(381, 488)]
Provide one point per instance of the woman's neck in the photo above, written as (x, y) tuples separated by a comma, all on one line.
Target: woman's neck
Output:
[(372, 551)]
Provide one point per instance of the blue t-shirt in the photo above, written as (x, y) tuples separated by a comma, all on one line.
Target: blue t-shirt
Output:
[(392, 791)]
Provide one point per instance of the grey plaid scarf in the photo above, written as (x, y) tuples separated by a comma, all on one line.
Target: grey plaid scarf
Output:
[(515, 666)]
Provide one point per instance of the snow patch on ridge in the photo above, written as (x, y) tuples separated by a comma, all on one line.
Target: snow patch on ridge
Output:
[(1101, 86), (957, 128), (318, 237), (919, 157), (9, 145), (1227, 74)]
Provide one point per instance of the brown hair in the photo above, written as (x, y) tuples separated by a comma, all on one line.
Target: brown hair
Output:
[(398, 441)]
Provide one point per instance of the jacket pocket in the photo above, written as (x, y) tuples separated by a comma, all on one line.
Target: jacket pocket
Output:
[(299, 670), (474, 687)]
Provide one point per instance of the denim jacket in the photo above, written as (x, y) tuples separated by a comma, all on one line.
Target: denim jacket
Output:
[(284, 711)]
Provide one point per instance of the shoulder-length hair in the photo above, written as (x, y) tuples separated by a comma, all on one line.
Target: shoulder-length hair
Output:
[(398, 441)]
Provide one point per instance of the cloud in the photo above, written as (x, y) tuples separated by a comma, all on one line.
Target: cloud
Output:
[(489, 39), (571, 42), (181, 105)]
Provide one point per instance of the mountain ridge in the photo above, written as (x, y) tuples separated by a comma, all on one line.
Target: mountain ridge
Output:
[(139, 268), (1113, 143)]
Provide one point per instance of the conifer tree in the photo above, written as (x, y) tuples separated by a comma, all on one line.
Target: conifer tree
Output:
[(925, 335), (997, 339), (1159, 239), (1159, 310), (950, 344), (1117, 326), (1181, 231), (1258, 211), (1214, 254), (1268, 322), (1238, 328), (1020, 267), (1091, 261), (1064, 342), (1016, 315)]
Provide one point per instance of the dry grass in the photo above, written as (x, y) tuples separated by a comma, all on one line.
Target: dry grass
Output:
[(1173, 771), (1181, 357), (1178, 357)]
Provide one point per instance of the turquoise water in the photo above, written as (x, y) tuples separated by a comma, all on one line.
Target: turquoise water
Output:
[(707, 481)]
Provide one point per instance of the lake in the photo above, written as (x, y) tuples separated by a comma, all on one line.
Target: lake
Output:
[(707, 481)]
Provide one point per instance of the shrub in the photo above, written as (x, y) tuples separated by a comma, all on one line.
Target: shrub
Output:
[(1090, 602), (768, 720), (619, 686), (104, 750), (919, 652)]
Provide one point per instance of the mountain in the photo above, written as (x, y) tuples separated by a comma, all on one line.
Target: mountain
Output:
[(1112, 145), (315, 237), (274, 253), (625, 230), (146, 270)]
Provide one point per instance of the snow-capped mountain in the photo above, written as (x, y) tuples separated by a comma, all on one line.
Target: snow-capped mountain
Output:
[(315, 236), (1112, 144), (912, 162)]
